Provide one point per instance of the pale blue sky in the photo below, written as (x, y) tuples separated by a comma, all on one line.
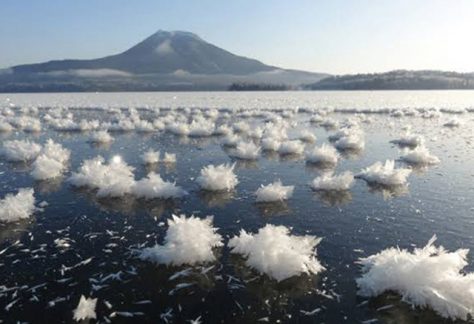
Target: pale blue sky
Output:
[(338, 36)]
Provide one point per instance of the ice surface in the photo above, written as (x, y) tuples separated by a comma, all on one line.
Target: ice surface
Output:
[(65, 232)]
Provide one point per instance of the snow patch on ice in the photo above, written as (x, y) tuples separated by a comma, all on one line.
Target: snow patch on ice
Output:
[(384, 174), (274, 251), (409, 139), (307, 136), (113, 179), (85, 309), (20, 150), (151, 157), (275, 191), (218, 178), (419, 156), (169, 158), (427, 277), (101, 137), (188, 240), (52, 161), (354, 141), (153, 186), (291, 147), (246, 151), (332, 182), (325, 154), (19, 206), (454, 122)]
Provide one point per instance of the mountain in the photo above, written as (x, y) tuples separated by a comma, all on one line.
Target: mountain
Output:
[(396, 80), (162, 52), (164, 61)]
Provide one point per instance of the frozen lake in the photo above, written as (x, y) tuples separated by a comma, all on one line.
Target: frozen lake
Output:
[(79, 243)]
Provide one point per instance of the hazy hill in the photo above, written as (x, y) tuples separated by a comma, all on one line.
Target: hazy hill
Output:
[(397, 80)]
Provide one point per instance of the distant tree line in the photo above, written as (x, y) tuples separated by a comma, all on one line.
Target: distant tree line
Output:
[(397, 80), (244, 86)]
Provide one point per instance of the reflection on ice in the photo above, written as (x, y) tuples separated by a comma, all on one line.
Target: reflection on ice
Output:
[(269, 292), (389, 308), (246, 164), (103, 146), (128, 205), (351, 154), (48, 186), (334, 198), (290, 157), (216, 198), (14, 231), (268, 209), (319, 167), (270, 155), (389, 192)]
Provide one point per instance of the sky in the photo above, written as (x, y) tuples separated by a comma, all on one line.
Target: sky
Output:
[(333, 36)]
